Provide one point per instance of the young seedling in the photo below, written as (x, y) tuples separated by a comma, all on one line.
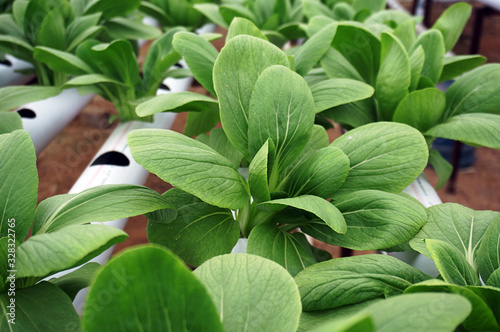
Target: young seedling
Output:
[(174, 13), (279, 20), (61, 25), (112, 70)]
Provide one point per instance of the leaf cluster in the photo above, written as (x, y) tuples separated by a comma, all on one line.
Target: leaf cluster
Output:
[(462, 242), (64, 235)]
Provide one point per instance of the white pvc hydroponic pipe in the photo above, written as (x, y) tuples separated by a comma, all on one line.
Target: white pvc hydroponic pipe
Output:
[(422, 190), (8, 74), (44, 119)]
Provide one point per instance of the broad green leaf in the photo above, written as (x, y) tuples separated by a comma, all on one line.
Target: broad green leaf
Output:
[(390, 17), (111, 8), (319, 140), (43, 307), (160, 57), (488, 253), (199, 232), (9, 122), (481, 317), (417, 59), (116, 60), (478, 91), (52, 31), (406, 32), (353, 115), (314, 8), (491, 296), (337, 66), (198, 123), (350, 280), (230, 11), (125, 28), (199, 55), (260, 170), (219, 142), (320, 175), (8, 26), (475, 128), (97, 204), (456, 224), (15, 96), (292, 251), (360, 47), (236, 70), (243, 26), (362, 322), (371, 5), (211, 11), (320, 207), (191, 166), (82, 28), (310, 320), (421, 109), (17, 47), (60, 61), (441, 166), (34, 14), (343, 12), (281, 108), (454, 66), (375, 220), (262, 9), (338, 91), (240, 287), (317, 23), (44, 254), (452, 22), (178, 102), (384, 156), (75, 281), (309, 54), (18, 184), (432, 312), (433, 44), (92, 79), (179, 301), (85, 35), (394, 76), (494, 279), (451, 263)]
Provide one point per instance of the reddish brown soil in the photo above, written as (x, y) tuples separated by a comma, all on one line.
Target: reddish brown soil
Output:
[(61, 163)]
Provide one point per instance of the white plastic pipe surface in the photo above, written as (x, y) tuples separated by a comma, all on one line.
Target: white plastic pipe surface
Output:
[(422, 190), (52, 115), (8, 74)]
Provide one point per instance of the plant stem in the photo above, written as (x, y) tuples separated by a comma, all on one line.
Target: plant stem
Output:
[(250, 216), (41, 74)]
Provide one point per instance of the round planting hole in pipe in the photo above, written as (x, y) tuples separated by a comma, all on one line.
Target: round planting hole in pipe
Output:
[(163, 86), (26, 113), (112, 158), (179, 65), (6, 63)]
